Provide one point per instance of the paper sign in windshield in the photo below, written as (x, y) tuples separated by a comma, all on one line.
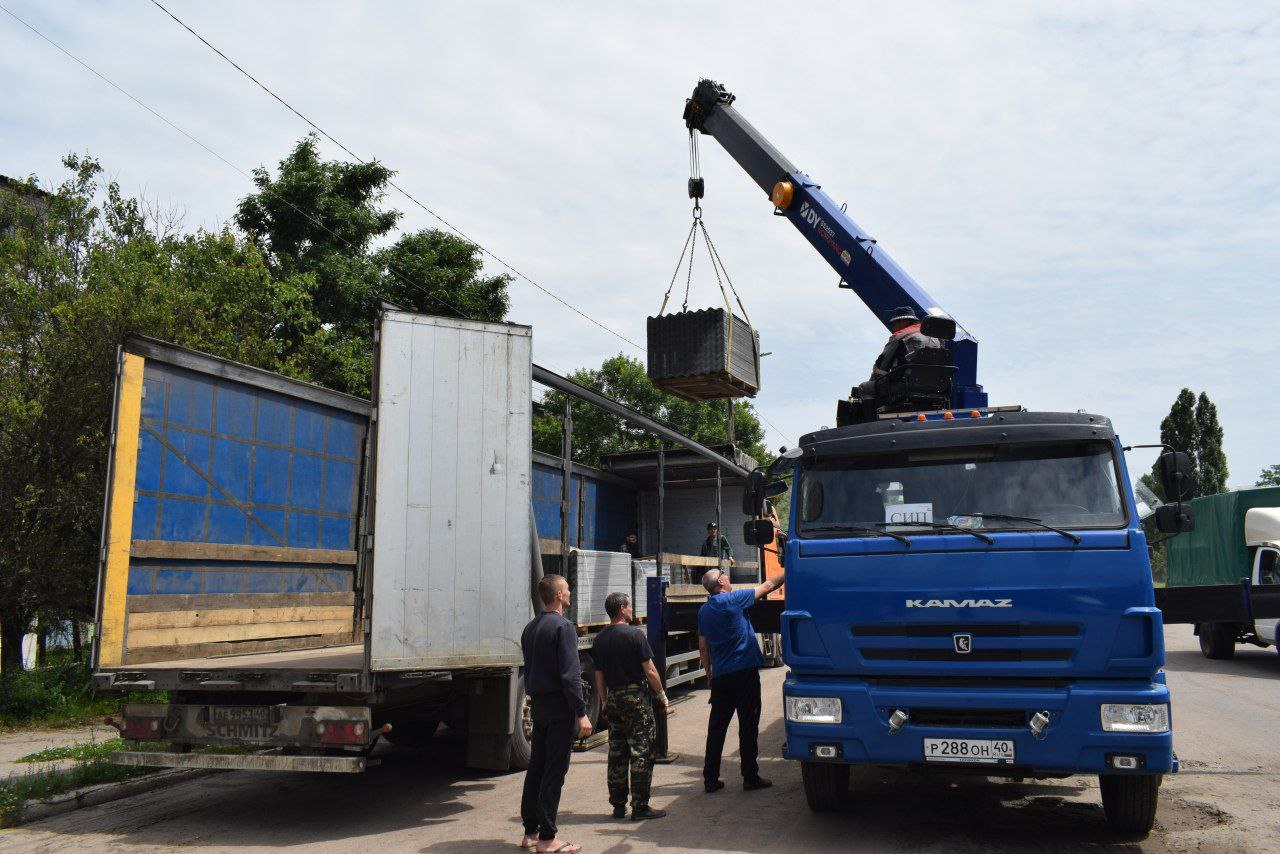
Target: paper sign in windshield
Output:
[(908, 514)]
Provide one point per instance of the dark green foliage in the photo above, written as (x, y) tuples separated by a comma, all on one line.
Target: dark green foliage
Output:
[(1269, 476), (317, 220), (1192, 426), (58, 694), (596, 433), (1211, 476)]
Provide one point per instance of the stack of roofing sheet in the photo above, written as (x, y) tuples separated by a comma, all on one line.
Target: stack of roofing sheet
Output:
[(642, 570), (599, 574)]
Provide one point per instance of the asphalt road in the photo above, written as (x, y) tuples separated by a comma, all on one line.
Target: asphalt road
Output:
[(1227, 797)]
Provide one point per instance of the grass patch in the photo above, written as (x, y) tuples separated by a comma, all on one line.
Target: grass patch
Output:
[(59, 695), (84, 752), (16, 791)]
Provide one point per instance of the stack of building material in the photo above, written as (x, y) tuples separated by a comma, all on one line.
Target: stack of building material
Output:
[(598, 574), (703, 355), (642, 571)]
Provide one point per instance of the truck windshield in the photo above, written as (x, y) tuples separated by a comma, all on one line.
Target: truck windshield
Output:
[(1064, 484)]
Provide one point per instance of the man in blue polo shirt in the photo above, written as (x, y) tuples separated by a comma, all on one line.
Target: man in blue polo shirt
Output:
[(731, 658)]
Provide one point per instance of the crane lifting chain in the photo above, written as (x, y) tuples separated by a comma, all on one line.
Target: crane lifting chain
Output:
[(697, 188)]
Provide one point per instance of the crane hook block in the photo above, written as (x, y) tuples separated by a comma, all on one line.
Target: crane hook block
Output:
[(697, 186)]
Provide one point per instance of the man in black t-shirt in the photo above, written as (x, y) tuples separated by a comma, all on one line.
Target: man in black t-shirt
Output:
[(625, 676)]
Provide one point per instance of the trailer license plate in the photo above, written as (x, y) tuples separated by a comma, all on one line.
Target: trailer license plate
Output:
[(240, 723), (995, 751)]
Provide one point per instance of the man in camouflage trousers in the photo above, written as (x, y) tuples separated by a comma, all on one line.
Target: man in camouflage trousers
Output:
[(629, 684)]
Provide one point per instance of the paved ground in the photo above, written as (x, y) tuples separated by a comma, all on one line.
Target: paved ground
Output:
[(1227, 797), (15, 745)]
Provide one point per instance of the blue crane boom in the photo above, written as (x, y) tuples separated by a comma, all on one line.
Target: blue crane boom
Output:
[(862, 265)]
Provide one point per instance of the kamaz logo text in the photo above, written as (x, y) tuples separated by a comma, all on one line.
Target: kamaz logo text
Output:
[(959, 603)]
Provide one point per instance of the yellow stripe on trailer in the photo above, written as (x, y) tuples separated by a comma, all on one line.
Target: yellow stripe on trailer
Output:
[(124, 467)]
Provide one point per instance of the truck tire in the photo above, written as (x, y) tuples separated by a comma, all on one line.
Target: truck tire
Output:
[(522, 732), (589, 691), (825, 785), (1217, 641), (1130, 801)]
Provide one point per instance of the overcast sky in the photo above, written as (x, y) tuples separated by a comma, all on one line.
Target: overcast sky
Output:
[(1092, 189)]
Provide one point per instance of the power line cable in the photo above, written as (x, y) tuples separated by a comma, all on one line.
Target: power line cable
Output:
[(412, 284), (391, 268), (392, 183), (694, 160)]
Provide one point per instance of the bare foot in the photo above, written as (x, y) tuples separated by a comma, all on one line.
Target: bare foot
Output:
[(528, 843), (558, 846)]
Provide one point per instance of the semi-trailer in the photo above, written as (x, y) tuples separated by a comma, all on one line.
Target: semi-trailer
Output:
[(306, 573)]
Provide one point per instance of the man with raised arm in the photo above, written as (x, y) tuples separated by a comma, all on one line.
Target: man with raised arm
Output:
[(731, 658)]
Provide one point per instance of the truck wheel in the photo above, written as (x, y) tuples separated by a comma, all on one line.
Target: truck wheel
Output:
[(1217, 641), (589, 691), (825, 785), (1130, 801), (522, 732)]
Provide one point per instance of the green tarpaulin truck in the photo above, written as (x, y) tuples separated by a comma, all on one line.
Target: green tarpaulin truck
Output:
[(1236, 542)]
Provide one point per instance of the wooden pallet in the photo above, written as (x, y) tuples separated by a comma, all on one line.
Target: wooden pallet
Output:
[(714, 386)]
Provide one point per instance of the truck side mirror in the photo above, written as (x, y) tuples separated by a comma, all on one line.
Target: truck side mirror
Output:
[(1176, 475), (1175, 518), (753, 494), (938, 327), (758, 532), (777, 487)]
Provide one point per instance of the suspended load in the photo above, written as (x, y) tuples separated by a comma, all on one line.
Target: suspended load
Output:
[(704, 355), (707, 354)]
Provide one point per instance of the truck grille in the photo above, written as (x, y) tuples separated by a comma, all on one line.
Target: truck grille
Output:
[(976, 718), (976, 655), (986, 642)]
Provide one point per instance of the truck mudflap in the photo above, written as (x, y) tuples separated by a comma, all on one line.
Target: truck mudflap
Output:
[(243, 762), (1003, 732), (347, 728)]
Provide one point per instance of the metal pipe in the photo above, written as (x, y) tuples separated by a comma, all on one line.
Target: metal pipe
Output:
[(542, 376)]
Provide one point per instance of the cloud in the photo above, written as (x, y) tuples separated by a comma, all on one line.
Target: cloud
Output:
[(1090, 189)]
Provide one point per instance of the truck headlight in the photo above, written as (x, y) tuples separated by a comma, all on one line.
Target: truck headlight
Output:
[(1135, 717), (813, 710)]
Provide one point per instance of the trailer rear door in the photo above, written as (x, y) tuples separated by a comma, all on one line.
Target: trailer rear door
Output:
[(232, 508), (451, 493)]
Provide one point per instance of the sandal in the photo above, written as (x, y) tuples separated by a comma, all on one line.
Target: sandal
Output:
[(565, 848)]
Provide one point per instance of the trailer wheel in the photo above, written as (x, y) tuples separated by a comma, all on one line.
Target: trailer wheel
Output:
[(1217, 641), (825, 785), (1130, 801), (522, 732)]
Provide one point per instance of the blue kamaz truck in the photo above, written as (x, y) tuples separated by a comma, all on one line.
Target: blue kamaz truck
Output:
[(968, 587), (972, 594)]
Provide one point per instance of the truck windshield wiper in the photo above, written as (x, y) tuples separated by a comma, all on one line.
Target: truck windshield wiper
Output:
[(858, 529), (1005, 517), (943, 526)]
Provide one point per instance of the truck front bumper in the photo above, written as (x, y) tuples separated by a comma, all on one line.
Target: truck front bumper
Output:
[(1073, 741)]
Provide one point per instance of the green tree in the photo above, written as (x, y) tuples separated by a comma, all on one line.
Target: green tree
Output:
[(1269, 476), (1192, 426), (596, 433), (78, 272), (320, 220), (1211, 459)]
